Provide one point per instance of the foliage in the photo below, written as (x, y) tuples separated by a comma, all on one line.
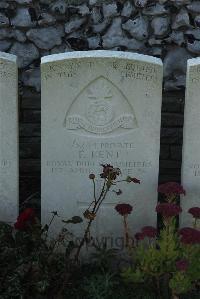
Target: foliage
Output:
[(152, 265)]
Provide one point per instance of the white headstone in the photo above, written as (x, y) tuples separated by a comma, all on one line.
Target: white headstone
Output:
[(100, 107), (191, 142), (8, 138)]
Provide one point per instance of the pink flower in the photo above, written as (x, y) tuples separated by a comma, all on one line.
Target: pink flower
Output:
[(149, 231), (168, 210), (189, 235), (139, 236), (195, 212), (124, 209), (182, 265), (171, 188)]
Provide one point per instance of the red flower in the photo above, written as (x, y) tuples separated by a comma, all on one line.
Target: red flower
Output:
[(25, 219), (171, 188), (195, 211), (124, 209), (168, 210), (189, 235), (182, 265), (149, 231), (134, 180), (139, 236)]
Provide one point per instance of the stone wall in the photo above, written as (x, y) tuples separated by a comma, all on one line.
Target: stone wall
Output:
[(31, 29)]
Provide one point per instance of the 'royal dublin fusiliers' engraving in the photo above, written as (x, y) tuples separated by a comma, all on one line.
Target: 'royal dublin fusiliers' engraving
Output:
[(106, 109)]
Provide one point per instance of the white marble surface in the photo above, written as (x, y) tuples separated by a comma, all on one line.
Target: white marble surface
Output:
[(100, 107), (191, 143), (8, 138)]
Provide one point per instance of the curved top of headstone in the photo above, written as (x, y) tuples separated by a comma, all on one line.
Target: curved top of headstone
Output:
[(193, 61), (101, 54), (9, 57)]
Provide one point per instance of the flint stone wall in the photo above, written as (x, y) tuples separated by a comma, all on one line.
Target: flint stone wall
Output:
[(31, 29)]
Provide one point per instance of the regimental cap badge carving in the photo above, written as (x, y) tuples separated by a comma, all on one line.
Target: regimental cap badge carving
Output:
[(100, 108)]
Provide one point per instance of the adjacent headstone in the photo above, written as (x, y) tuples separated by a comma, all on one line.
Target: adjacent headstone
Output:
[(191, 143), (8, 138), (100, 107)]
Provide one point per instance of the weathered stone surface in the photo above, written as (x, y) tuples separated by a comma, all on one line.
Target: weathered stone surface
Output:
[(182, 19), (138, 28), (180, 2), (45, 38), (100, 27), (173, 63), (46, 19), (4, 33), (59, 7), (26, 53), (193, 33), (74, 24), (22, 18), (80, 130), (4, 45), (31, 78), (191, 142), (12, 33), (160, 26), (115, 37), (96, 15), (24, 1), (155, 10), (9, 190), (18, 35), (128, 9), (177, 37), (4, 21), (3, 4), (194, 7), (140, 3), (110, 10), (194, 47), (197, 21), (94, 42), (93, 2), (83, 9)]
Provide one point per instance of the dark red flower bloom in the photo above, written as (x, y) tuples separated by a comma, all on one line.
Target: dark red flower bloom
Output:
[(124, 209), (25, 219), (134, 180), (168, 210), (109, 172), (171, 188), (149, 231), (139, 236), (195, 211), (92, 176), (182, 265), (189, 235)]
